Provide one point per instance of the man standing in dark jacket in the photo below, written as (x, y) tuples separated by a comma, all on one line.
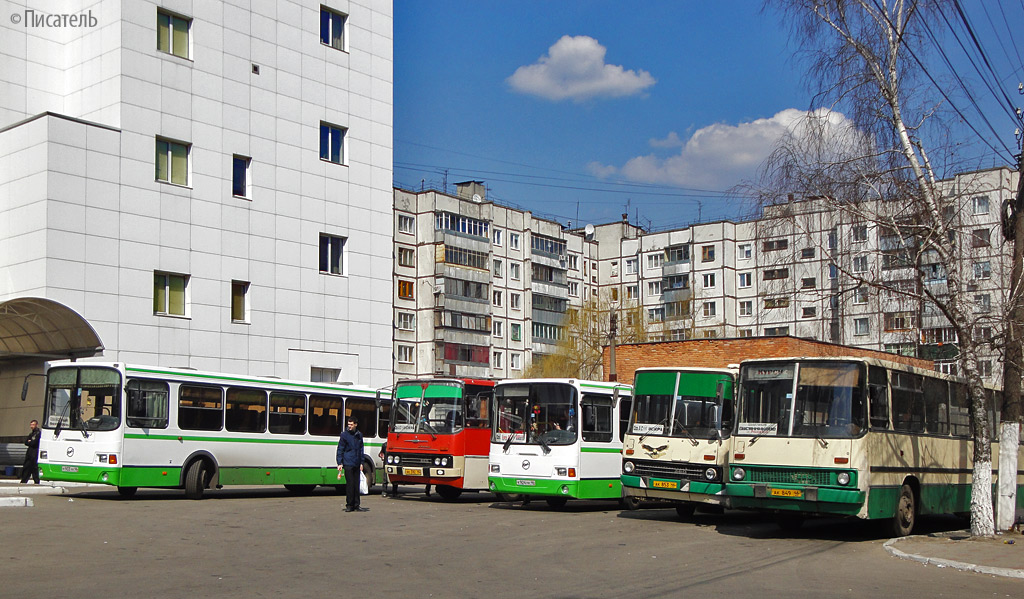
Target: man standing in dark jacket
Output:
[(31, 466), (350, 458)]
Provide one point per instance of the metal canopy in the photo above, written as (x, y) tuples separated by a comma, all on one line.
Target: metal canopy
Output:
[(42, 328)]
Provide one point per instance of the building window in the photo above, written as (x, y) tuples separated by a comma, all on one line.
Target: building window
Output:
[(332, 254), (497, 329), (463, 257), (744, 280), (515, 361), (985, 368), (513, 241), (860, 326), (979, 204), (707, 253), (656, 314), (497, 236), (746, 308), (776, 274), (170, 294), (332, 28), (515, 271), (746, 333), (708, 309), (860, 295), (744, 251), (324, 375), (406, 321), (405, 289), (497, 298), (709, 280), (809, 312), (406, 257), (774, 245), (654, 288), (655, 260), (776, 302), (406, 224), (807, 253), (332, 143), (172, 163), (239, 301), (574, 289), (776, 331), (614, 291), (982, 270), (615, 268), (631, 264), (515, 301), (676, 282), (497, 359), (860, 264), (860, 233), (632, 292), (833, 271), (981, 238), (405, 354), (983, 303), (515, 331), (899, 321), (240, 180), (498, 270), (678, 253), (172, 34), (808, 283)]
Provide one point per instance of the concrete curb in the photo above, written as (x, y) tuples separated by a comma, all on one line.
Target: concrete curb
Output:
[(946, 563), (16, 502)]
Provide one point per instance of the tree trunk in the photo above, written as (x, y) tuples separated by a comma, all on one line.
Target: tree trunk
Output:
[(1013, 357), (1006, 495), (982, 521)]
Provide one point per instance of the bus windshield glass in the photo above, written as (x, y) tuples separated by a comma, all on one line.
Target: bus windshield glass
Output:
[(86, 399), (436, 408), (829, 400), (681, 404), (535, 413)]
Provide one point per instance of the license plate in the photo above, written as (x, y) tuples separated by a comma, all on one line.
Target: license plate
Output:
[(786, 493), (413, 471), (526, 483), (664, 484), (69, 468)]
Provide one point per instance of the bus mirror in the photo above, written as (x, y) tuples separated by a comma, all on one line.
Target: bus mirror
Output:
[(24, 385)]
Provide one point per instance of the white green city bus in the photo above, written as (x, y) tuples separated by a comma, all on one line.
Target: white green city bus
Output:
[(676, 448), (853, 437), (559, 439), (136, 426)]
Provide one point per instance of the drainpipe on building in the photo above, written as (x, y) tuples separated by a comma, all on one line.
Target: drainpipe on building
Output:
[(612, 328)]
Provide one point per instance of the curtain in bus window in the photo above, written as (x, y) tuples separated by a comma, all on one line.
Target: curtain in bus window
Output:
[(325, 415), (199, 408), (936, 400), (147, 404), (597, 418), (907, 402), (246, 410), (287, 413), (365, 413)]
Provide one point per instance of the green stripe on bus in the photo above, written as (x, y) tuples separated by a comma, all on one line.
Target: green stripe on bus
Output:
[(221, 377), (600, 450), (165, 476), (608, 387), (242, 440), (577, 489)]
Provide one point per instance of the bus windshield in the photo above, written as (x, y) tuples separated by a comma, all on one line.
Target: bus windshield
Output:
[(536, 413), (692, 411), (435, 408), (87, 399), (829, 400)]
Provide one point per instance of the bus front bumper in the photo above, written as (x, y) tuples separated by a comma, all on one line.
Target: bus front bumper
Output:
[(674, 490), (534, 486), (822, 500), (102, 475)]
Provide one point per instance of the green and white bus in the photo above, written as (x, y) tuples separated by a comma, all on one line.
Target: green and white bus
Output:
[(853, 437), (137, 426), (677, 446), (559, 439)]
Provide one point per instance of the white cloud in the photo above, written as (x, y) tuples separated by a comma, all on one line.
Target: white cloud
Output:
[(720, 156), (671, 141), (574, 68)]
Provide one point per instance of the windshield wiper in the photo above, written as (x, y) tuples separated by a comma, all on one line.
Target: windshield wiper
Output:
[(60, 421), (83, 426), (685, 432), (543, 445), (650, 432), (508, 442)]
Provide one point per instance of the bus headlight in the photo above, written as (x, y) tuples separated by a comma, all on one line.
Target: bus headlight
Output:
[(438, 461), (738, 474), (446, 461), (397, 459), (43, 455), (495, 469), (627, 467), (561, 471), (710, 474), (843, 478), (391, 459)]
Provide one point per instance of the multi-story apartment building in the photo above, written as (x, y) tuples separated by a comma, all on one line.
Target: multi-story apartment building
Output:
[(801, 269), (195, 184)]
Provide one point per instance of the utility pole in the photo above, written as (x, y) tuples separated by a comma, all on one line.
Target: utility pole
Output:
[(1009, 430), (613, 327)]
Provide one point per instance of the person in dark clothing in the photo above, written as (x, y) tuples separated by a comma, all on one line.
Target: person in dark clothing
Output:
[(31, 467), (350, 458)]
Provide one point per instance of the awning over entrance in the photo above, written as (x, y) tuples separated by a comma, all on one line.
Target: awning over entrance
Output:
[(42, 328)]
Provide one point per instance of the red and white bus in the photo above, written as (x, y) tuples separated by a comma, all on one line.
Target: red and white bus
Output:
[(440, 434)]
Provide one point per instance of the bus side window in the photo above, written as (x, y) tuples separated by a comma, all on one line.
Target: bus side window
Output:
[(908, 402), (597, 418), (147, 404), (383, 418), (936, 399), (878, 396), (365, 413), (625, 407), (959, 410), (476, 410)]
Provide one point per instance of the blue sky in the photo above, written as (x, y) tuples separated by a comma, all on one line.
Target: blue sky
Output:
[(574, 108)]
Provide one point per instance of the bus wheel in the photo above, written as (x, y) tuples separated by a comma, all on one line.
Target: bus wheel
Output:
[(789, 522), (630, 503), (509, 497), (557, 502), (448, 493), (127, 492), (906, 512), (685, 510), (196, 480), (300, 489)]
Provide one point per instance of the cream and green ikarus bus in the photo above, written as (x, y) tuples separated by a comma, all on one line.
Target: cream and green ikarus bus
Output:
[(850, 437), (676, 447)]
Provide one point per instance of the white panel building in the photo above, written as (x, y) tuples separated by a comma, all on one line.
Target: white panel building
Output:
[(202, 184)]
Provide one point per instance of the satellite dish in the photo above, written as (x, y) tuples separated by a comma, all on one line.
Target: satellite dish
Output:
[(588, 231), (477, 198)]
